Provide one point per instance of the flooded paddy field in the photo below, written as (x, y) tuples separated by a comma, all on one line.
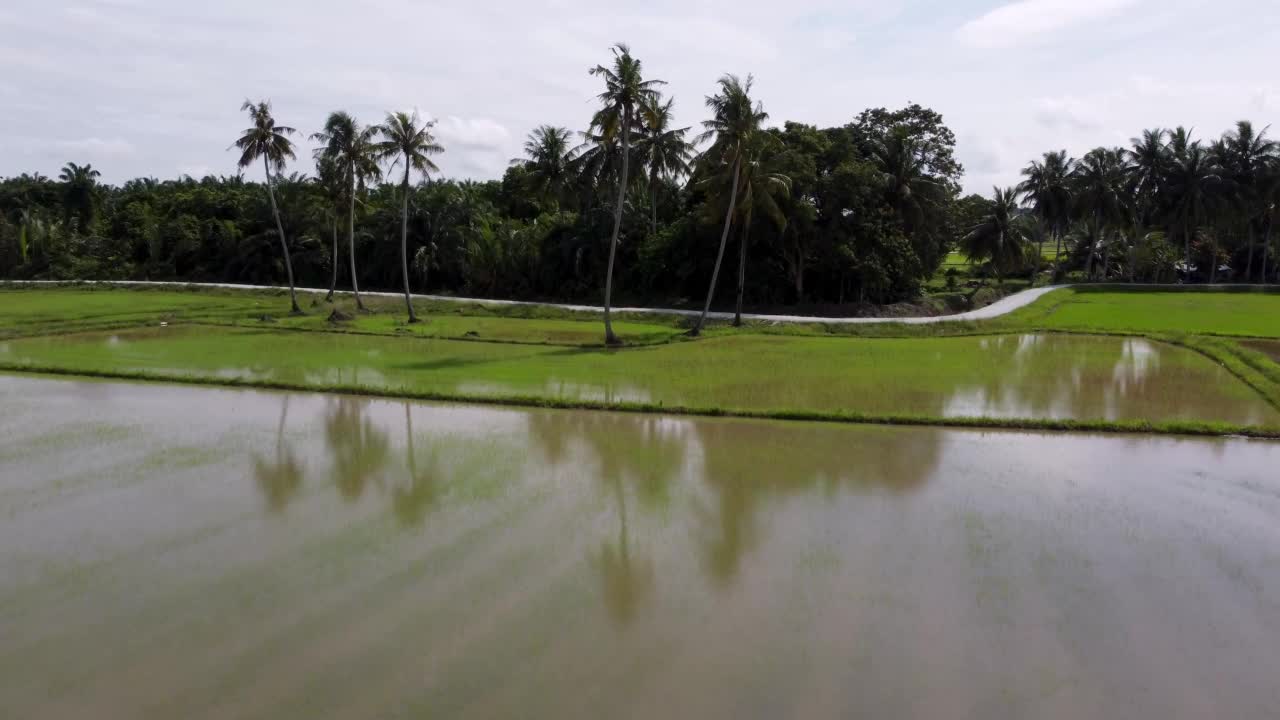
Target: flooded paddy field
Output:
[(1027, 376), (170, 551)]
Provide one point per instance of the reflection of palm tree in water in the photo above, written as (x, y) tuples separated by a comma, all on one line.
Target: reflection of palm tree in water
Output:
[(752, 465), (279, 479), (412, 502), (358, 447), (628, 581), (629, 450)]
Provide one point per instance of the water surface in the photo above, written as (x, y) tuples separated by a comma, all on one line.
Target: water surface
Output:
[(172, 551), (1270, 348)]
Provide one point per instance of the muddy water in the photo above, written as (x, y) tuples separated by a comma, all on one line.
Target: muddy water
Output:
[(1270, 348), (183, 552)]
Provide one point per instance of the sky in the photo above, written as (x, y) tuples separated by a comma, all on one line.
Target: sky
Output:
[(154, 87)]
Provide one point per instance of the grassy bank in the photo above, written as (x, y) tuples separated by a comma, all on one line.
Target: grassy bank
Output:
[(1168, 375)]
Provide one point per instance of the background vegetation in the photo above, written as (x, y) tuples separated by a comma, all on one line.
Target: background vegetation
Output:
[(868, 212)]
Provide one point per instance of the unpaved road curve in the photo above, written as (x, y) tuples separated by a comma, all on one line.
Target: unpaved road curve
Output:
[(996, 309)]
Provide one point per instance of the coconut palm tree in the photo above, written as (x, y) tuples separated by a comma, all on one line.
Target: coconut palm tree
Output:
[(549, 161), (912, 192), (333, 187), (408, 140), (1270, 199), (1192, 183), (1049, 193), (80, 193), (763, 188), (1000, 236), (664, 150), (269, 141), (352, 148), (1098, 184), (1148, 161), (626, 90), (1247, 158), (735, 122)]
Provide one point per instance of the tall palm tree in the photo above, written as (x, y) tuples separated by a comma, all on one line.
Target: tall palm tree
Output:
[(1192, 183), (549, 161), (761, 187), (1099, 189), (269, 141), (352, 148), (333, 187), (1248, 157), (735, 122), (80, 194), (665, 151), (1148, 160), (625, 91), (407, 139), (999, 237), (1045, 186), (1270, 199)]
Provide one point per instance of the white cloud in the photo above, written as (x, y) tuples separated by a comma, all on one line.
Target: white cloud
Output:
[(96, 147), (196, 171), (472, 133), (153, 87), (1018, 22), (1068, 112)]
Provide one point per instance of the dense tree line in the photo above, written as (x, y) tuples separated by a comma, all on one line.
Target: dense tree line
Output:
[(632, 206), (1167, 208)]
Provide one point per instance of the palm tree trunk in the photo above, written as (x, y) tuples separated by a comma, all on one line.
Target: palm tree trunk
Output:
[(1266, 248), (1213, 259), (724, 240), (404, 242), (1248, 265), (742, 269), (653, 205), (1131, 251), (1093, 245), (1186, 242), (1057, 252), (609, 337), (1039, 257), (351, 244), (284, 246), (333, 282)]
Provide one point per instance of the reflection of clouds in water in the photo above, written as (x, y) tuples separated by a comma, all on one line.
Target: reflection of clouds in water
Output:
[(114, 341), (353, 376), (1138, 358), (561, 390), (1058, 377)]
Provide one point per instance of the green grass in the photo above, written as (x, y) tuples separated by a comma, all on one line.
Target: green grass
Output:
[(75, 309), (1115, 309), (1189, 372)]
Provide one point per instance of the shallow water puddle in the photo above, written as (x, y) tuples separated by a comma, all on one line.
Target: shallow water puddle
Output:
[(169, 551)]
